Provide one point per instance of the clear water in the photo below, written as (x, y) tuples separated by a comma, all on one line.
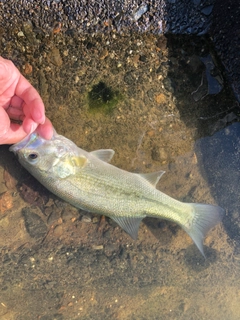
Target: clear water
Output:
[(59, 263)]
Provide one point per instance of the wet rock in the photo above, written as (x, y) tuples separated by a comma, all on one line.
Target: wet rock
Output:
[(86, 219), (161, 98), (169, 85), (68, 214), (195, 63), (159, 154), (43, 84), (111, 249), (53, 214), (95, 220), (34, 224), (97, 247), (55, 57), (207, 10), (28, 32), (162, 43), (6, 202), (9, 180), (32, 196), (129, 78), (58, 230), (27, 68)]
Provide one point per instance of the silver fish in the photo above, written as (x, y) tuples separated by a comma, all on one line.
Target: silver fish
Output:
[(88, 181)]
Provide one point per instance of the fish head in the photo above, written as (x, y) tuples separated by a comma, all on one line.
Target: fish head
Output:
[(46, 156)]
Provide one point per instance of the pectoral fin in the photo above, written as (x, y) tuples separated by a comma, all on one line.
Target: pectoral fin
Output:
[(67, 166), (129, 224), (104, 154), (80, 161), (152, 177)]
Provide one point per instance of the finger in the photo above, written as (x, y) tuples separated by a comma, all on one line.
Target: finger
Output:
[(4, 122), (9, 76), (32, 99), (15, 134), (15, 113), (16, 102), (46, 130), (29, 125)]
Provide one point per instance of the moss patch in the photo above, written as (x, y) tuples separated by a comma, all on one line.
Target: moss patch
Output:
[(102, 98)]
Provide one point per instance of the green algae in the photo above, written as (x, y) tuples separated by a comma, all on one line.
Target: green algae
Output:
[(103, 98)]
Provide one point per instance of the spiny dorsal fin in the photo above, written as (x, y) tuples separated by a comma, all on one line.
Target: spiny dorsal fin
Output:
[(104, 154), (152, 177), (129, 224)]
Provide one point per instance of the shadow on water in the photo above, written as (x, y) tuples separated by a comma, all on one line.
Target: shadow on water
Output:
[(220, 163), (217, 140)]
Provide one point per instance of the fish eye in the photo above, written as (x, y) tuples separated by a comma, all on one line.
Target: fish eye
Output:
[(32, 156)]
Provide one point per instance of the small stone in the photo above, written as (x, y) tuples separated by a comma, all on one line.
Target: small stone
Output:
[(135, 59), (86, 219), (20, 34), (97, 247), (159, 154), (162, 43), (34, 224), (65, 53), (67, 215), (55, 57), (27, 68), (151, 133), (103, 55), (6, 202), (95, 220), (161, 98), (10, 181), (53, 215), (58, 230)]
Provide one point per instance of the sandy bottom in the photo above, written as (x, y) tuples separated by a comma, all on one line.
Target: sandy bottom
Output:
[(58, 262)]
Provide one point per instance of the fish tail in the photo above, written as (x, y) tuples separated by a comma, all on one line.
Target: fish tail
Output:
[(205, 217)]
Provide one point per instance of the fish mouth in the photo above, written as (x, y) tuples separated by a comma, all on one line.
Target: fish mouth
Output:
[(24, 143)]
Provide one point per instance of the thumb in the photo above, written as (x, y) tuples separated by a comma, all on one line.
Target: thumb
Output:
[(4, 122)]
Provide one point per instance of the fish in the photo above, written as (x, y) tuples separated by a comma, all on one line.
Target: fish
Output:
[(88, 181)]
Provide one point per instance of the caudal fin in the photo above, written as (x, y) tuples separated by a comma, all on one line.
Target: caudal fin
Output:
[(205, 217)]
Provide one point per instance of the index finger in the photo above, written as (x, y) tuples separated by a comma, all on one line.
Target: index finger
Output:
[(32, 99)]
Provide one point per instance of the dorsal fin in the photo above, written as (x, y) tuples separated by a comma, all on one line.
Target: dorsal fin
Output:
[(152, 177), (104, 154)]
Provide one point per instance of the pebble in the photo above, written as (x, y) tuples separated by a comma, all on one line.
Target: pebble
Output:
[(103, 55), (95, 220), (20, 34), (97, 247), (161, 98), (58, 230), (55, 57), (86, 219), (34, 224), (6, 202), (68, 215), (10, 181), (27, 68)]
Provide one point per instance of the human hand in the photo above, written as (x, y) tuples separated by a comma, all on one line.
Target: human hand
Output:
[(20, 101)]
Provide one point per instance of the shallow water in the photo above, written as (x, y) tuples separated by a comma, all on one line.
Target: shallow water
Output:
[(61, 263)]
